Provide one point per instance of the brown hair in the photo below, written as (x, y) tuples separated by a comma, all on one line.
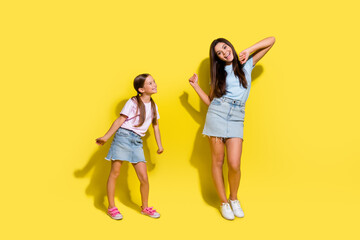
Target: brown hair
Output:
[(139, 83), (218, 73)]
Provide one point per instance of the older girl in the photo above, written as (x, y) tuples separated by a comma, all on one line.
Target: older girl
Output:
[(230, 87)]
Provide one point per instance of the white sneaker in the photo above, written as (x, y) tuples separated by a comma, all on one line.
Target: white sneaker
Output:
[(235, 205), (226, 211)]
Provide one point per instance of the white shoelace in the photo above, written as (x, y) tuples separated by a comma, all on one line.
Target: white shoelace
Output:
[(226, 206), (235, 204)]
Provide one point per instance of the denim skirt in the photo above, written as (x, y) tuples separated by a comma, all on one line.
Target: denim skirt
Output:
[(225, 118), (126, 146)]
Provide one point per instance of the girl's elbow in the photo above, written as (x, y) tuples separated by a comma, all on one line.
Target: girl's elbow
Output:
[(207, 101), (272, 39)]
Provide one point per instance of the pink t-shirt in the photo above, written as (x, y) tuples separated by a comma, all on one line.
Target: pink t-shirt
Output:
[(129, 110)]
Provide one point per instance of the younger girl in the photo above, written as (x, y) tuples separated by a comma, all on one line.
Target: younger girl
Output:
[(135, 118), (230, 87)]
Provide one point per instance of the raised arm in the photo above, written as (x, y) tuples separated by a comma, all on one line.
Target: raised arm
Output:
[(158, 137), (114, 127), (194, 83), (258, 50)]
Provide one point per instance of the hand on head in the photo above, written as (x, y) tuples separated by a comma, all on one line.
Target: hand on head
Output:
[(243, 56)]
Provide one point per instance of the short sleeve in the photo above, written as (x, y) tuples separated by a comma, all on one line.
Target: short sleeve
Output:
[(157, 112), (128, 109), (248, 66)]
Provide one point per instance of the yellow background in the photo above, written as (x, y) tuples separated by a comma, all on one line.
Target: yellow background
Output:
[(67, 69)]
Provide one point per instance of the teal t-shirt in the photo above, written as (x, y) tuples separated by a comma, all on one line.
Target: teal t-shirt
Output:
[(233, 88)]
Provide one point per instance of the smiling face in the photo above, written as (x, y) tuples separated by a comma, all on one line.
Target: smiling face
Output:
[(149, 87), (224, 52)]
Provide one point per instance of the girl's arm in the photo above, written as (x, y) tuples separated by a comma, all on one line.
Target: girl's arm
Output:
[(158, 137), (259, 49), (194, 83), (115, 126)]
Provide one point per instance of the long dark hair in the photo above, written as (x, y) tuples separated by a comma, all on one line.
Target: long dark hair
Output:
[(139, 83), (218, 73)]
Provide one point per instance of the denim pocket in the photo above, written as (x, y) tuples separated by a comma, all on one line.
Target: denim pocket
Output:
[(216, 102), (138, 142), (238, 114), (122, 132)]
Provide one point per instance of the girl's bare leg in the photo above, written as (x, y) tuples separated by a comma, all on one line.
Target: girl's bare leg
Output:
[(234, 150), (217, 154), (114, 174), (141, 172)]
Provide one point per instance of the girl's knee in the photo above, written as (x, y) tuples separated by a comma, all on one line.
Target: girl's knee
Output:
[(115, 173), (115, 169), (219, 162), (143, 179), (235, 167)]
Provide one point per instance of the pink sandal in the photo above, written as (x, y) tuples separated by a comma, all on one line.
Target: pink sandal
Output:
[(114, 213), (149, 211)]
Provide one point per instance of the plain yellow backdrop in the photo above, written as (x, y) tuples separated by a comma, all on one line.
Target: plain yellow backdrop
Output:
[(67, 69)]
